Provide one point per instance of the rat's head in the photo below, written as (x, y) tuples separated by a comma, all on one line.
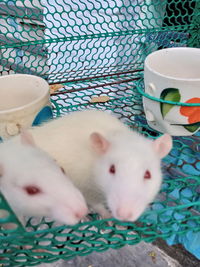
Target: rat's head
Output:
[(35, 185), (128, 170)]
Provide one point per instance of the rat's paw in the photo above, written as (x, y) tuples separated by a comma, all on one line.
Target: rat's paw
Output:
[(102, 211)]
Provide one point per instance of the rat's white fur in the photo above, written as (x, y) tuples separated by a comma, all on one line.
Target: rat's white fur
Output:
[(24, 164), (68, 140), (128, 193)]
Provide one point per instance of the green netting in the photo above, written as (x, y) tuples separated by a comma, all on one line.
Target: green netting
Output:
[(97, 48)]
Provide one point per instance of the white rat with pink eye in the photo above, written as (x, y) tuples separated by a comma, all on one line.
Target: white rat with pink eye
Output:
[(128, 171), (107, 161), (34, 184)]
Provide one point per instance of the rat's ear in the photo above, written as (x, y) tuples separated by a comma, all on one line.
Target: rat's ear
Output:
[(1, 170), (26, 138), (163, 145), (99, 143)]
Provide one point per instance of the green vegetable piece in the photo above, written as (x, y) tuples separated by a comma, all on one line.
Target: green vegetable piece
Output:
[(192, 127), (169, 94)]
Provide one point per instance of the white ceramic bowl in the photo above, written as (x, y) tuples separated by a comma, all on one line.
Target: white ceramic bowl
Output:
[(173, 74), (24, 101)]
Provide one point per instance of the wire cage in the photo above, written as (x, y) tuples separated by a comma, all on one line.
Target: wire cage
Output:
[(88, 49)]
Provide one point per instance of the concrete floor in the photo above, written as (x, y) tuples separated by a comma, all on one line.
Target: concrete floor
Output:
[(140, 255)]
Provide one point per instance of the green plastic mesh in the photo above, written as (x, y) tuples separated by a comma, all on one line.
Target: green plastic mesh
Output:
[(96, 48)]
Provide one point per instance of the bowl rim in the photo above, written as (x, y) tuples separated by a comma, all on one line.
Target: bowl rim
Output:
[(147, 66), (44, 93)]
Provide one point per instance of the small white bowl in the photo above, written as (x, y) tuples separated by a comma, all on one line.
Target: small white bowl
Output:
[(173, 74), (24, 101)]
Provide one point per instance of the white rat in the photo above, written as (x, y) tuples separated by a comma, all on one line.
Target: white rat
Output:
[(34, 184), (106, 160)]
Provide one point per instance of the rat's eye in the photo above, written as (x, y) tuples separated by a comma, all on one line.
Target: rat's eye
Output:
[(32, 190), (112, 169), (147, 175)]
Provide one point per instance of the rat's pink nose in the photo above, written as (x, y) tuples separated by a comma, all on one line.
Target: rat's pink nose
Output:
[(123, 214), (81, 213)]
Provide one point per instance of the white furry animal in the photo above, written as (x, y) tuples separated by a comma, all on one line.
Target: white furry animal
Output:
[(106, 160), (34, 184)]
